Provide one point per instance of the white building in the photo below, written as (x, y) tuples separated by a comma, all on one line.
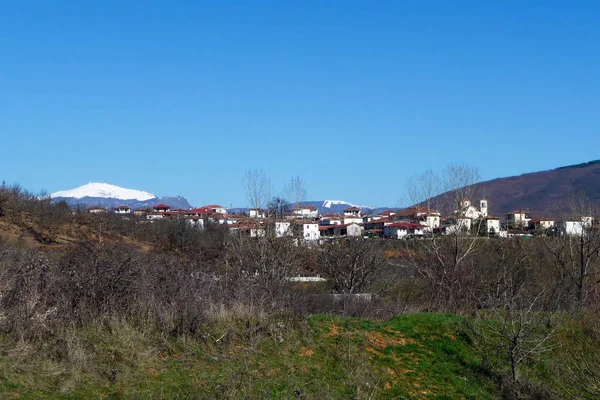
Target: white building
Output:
[(469, 210), (123, 210), (309, 231), (576, 227), (352, 219), (256, 213), (97, 210), (217, 208), (354, 230), (518, 219), (306, 212), (352, 211), (492, 225), (283, 228), (400, 230)]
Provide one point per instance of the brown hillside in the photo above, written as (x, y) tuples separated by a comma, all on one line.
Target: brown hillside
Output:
[(550, 193)]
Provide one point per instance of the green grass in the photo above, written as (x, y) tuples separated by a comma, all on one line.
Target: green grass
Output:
[(409, 357)]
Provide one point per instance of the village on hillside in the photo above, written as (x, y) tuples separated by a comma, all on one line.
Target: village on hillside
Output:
[(306, 223)]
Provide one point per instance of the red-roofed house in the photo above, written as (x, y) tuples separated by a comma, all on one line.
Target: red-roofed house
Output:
[(352, 211), (217, 208), (161, 208), (400, 230), (122, 210), (306, 211), (97, 210)]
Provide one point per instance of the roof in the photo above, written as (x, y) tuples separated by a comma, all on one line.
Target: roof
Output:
[(97, 208), (159, 206), (406, 225), (123, 208), (313, 208), (200, 210), (352, 209), (214, 206)]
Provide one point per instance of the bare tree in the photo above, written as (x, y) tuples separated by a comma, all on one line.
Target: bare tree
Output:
[(576, 254), (295, 191), (351, 265), (445, 261), (513, 318), (258, 188)]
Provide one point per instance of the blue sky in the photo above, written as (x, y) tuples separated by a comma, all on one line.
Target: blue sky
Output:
[(181, 98)]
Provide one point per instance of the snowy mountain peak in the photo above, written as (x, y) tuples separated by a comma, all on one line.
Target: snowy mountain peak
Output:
[(105, 190), (329, 203)]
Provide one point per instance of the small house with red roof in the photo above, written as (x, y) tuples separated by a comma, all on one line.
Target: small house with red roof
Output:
[(306, 212), (401, 230), (122, 210), (352, 211), (216, 208), (162, 208)]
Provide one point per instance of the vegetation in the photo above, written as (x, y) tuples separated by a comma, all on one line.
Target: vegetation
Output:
[(106, 306)]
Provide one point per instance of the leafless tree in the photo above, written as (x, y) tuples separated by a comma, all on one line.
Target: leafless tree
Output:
[(351, 265), (444, 261), (295, 191), (513, 318), (576, 255), (258, 188)]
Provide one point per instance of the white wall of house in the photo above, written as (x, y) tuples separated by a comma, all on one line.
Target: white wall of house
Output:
[(493, 225), (576, 228), (153, 216), (282, 228), (254, 213), (352, 219), (305, 212), (122, 210), (518, 219), (196, 222), (257, 232), (310, 232), (354, 230)]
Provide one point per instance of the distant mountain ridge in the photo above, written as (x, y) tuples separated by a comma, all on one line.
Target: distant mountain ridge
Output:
[(110, 196), (549, 193)]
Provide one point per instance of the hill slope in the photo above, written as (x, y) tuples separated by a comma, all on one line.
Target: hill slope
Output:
[(545, 193)]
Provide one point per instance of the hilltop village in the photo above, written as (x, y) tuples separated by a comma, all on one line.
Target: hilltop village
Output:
[(306, 223)]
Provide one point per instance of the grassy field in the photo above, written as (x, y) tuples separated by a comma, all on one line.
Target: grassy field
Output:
[(323, 357)]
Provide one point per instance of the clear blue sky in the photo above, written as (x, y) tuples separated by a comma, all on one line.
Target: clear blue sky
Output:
[(181, 98)]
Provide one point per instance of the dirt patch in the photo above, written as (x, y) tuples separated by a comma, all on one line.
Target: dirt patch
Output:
[(304, 352)]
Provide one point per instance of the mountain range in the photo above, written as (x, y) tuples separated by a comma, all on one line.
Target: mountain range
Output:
[(544, 193), (110, 196)]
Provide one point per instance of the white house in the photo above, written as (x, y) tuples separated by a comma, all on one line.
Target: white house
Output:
[(576, 227), (162, 208), (400, 230), (155, 215), (197, 222), (256, 213), (518, 219), (282, 228), (541, 224), (352, 219), (355, 230), (306, 212), (352, 211), (492, 225), (217, 208), (123, 210), (97, 210), (309, 231)]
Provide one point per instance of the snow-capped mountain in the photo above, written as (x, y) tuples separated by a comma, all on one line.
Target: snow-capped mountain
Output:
[(107, 195), (330, 203), (104, 190)]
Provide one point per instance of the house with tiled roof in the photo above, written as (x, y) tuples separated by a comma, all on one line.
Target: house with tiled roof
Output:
[(122, 210), (306, 211)]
